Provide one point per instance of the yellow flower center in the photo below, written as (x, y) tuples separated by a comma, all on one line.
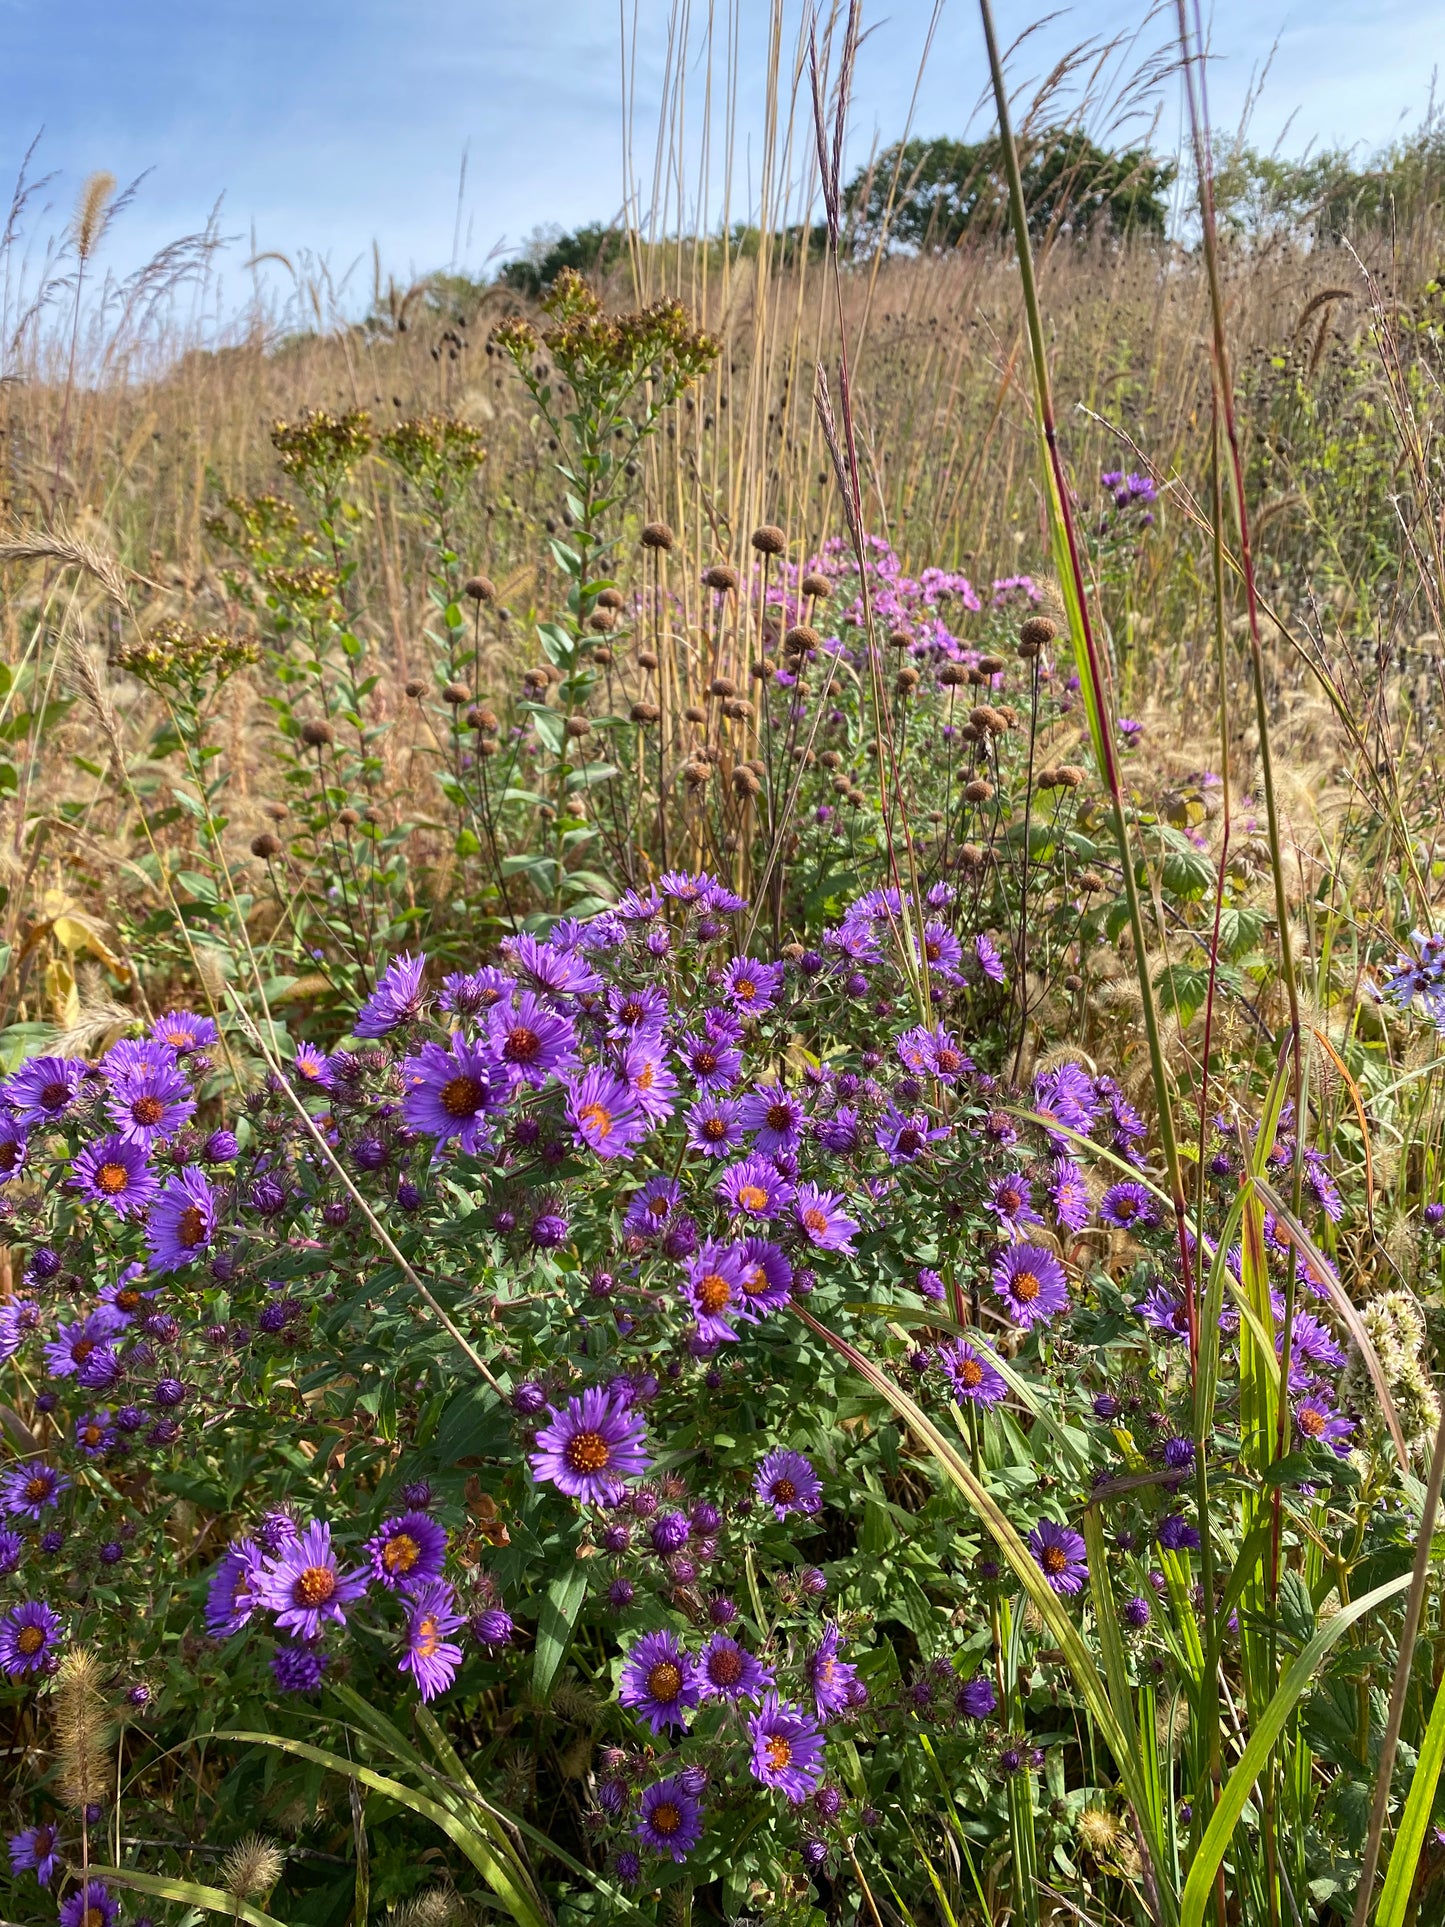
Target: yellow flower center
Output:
[(461, 1096), (664, 1680), (314, 1586), (587, 1452), (401, 1553)]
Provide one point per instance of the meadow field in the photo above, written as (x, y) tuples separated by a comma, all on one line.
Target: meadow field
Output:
[(720, 996)]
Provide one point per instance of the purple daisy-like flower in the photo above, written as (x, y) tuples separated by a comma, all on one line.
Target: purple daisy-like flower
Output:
[(1066, 1094), (646, 1074), (231, 1596), (452, 1093), (639, 1012), (530, 1041), (588, 1450), (26, 1490), (150, 1101), (905, 1137), (976, 1698), (776, 1117), (13, 1147), (1031, 1282), (604, 1114), (1311, 1344), (89, 1906), (73, 1344), (560, 973), (1069, 1194), (671, 1821), (470, 993), (115, 1173), (990, 962), (182, 1220), (12, 1551), (298, 1668), (303, 1585), (822, 1220), (787, 1482), (726, 1670), (1011, 1200), (18, 1318), (971, 1375), (36, 1850), (714, 1289), (183, 1031), (714, 1126), (754, 1189), (28, 1632), (1316, 1421), (311, 1068), (649, 1209), (1128, 1206), (659, 1681), (409, 1551), (787, 1749), (767, 1276), (830, 1677), (1164, 1311), (399, 998), (712, 1061), (942, 951), (94, 1434), (1060, 1556), (1175, 1534), (430, 1657), (42, 1091), (752, 986), (125, 1296)]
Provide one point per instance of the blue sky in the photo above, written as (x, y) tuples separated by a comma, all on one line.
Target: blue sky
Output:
[(330, 124)]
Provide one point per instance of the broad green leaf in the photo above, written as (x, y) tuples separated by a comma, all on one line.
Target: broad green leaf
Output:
[(1410, 1840), (187, 1893), (560, 1606)]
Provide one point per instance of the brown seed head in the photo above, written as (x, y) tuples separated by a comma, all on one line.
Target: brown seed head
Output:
[(265, 845), (533, 679), (769, 539), (657, 535), (815, 585), (830, 759), (601, 621), (905, 682), (952, 674), (761, 671), (1037, 630), (695, 713), (480, 588), (277, 812), (645, 712), (602, 656), (646, 659), (1071, 776), (722, 686), (800, 639), (978, 791), (738, 709), (721, 575), (577, 726), (456, 694), (414, 687), (317, 735), (992, 665), (745, 781), (696, 774), (348, 818), (900, 639), (610, 599)]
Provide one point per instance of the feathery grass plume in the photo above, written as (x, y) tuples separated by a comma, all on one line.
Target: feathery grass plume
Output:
[(82, 1728), (252, 1867), (1397, 1331), (436, 1907), (92, 212), (57, 545)]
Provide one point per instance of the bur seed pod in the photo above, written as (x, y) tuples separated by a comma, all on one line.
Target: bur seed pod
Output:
[(278, 812), (738, 709), (815, 585), (905, 682), (745, 781), (769, 539), (764, 670), (720, 576), (800, 639), (646, 659), (1071, 776), (644, 713), (577, 726), (480, 588), (602, 657), (1036, 631), (952, 674), (695, 775), (602, 621), (348, 818), (657, 535), (456, 694), (900, 639), (265, 845), (978, 791), (414, 687), (992, 665), (722, 686), (694, 714), (317, 735), (610, 599)]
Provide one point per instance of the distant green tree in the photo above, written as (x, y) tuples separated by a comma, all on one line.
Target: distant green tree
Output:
[(1331, 195), (592, 250), (948, 189)]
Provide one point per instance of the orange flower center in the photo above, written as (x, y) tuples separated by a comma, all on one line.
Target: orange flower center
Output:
[(112, 1178), (777, 1753), (715, 1130), (522, 1044), (587, 1452), (664, 1680), (1311, 1422), (54, 1097), (148, 1111), (814, 1219), (725, 1668), (666, 1817), (128, 1299), (1026, 1286), (427, 1637), (37, 1489), (752, 1197), (461, 1096), (1053, 1559), (598, 1116), (784, 1491), (713, 1292), (970, 1373), (780, 1117), (401, 1553), (30, 1639), (315, 1585), (191, 1227)]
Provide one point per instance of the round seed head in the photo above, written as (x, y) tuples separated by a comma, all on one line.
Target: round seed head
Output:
[(815, 585), (657, 535), (1037, 630), (721, 575), (644, 713), (769, 539), (265, 845), (414, 687), (456, 694), (480, 588), (317, 735)]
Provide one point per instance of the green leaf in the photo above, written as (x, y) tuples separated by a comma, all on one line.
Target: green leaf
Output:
[(1199, 1887), (1410, 1840), (560, 1607), (189, 1893)]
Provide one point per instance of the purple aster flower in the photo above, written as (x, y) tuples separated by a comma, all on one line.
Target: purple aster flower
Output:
[(712, 1061), (1315, 1420), (659, 1681), (1069, 1194), (408, 1552), (90, 1906), (649, 1209), (1011, 1199), (1031, 1282), (942, 951), (18, 1318), (604, 1114), (1164, 1311), (1175, 1534), (399, 998), (1060, 1556), (150, 1101), (125, 1296), (12, 1550), (669, 1532), (298, 1669), (776, 1116), (989, 961), (231, 1596), (182, 1220), (1178, 1454), (905, 1138), (752, 986), (529, 1041), (37, 1851), (753, 1189), (589, 1449), (930, 1285), (26, 1490), (492, 1628), (452, 1092), (42, 1091), (13, 1147), (714, 1289), (94, 1434), (971, 1374), (1136, 1613), (841, 1133), (430, 1657), (647, 1077), (830, 1677), (303, 1584), (73, 1344), (671, 1821), (1322, 1186), (637, 1013), (1127, 1206), (470, 993), (787, 1748), (27, 1634), (787, 1482), (1067, 1094), (767, 1277), (1311, 1343), (822, 1220), (976, 1698), (714, 1126), (560, 973), (311, 1068), (726, 1670)]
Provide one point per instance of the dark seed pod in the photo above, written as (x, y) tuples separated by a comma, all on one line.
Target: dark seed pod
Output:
[(769, 539), (277, 812), (745, 781), (317, 735), (602, 656), (738, 709), (265, 845), (952, 674), (602, 621), (696, 774), (722, 686), (348, 818), (815, 585), (480, 588), (992, 665), (610, 599), (762, 671), (900, 639), (1037, 630), (646, 659), (905, 682), (414, 687), (721, 575), (657, 535), (800, 639), (456, 694), (577, 726), (695, 714), (978, 791), (645, 712)]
